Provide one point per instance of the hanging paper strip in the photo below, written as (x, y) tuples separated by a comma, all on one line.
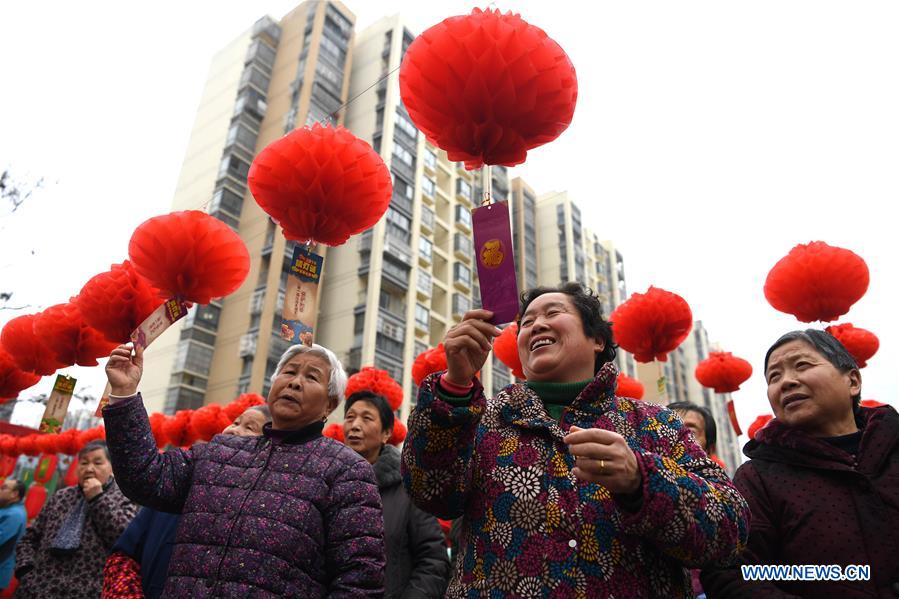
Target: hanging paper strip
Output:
[(732, 412), (171, 311), (58, 404), (496, 266), (301, 296)]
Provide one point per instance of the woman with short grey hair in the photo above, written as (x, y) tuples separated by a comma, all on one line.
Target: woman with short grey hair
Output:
[(289, 514)]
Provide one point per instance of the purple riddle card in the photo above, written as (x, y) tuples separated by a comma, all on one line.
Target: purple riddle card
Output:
[(496, 265)]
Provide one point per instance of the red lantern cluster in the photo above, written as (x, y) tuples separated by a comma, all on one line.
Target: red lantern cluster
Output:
[(189, 255), (399, 433), (629, 387), (321, 184), (860, 343), (506, 349), (816, 281), (69, 338), (487, 87), (13, 379), (117, 301), (428, 362), (651, 325), (29, 351), (723, 372), (377, 381), (334, 431)]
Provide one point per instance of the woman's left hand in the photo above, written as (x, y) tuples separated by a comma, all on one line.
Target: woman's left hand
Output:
[(603, 457)]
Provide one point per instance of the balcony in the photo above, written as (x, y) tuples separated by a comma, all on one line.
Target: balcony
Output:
[(427, 219), (398, 249), (424, 285), (462, 247)]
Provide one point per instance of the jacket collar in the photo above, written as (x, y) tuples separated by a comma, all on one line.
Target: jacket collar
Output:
[(778, 442), (293, 437), (387, 468)]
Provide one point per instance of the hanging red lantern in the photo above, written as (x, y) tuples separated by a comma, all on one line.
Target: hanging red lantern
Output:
[(27, 445), (71, 477), (816, 281), (860, 343), (189, 255), (321, 184), (45, 468), (427, 362), (69, 337), (157, 422), (377, 381), (69, 442), (723, 372), (758, 424), (35, 498), (177, 429), (399, 433), (9, 445), (7, 464), (242, 404), (651, 325), (208, 421), (117, 301), (29, 351), (506, 349), (334, 431), (629, 387), (91, 434), (46, 443), (487, 87), (13, 379), (872, 403)]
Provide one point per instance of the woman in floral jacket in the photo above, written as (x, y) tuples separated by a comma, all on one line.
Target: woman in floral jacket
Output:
[(566, 490)]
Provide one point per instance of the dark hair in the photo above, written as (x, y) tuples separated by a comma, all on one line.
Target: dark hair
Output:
[(20, 488), (94, 446), (590, 309), (378, 402), (825, 344), (711, 429), (265, 411)]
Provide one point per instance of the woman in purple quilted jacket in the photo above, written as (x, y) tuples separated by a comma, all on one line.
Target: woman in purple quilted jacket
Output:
[(287, 514)]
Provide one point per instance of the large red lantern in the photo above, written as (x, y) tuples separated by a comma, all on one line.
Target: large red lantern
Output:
[(45, 468), (189, 255), (651, 325), (861, 343), (487, 87), (377, 381), (27, 349), (629, 387), (816, 281), (69, 337), (723, 372), (35, 498), (758, 424), (12, 378), (506, 349), (428, 362), (321, 184), (117, 301)]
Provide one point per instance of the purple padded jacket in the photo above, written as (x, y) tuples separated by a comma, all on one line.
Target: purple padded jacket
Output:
[(282, 515)]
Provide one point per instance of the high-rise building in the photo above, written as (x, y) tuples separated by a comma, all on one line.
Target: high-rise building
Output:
[(274, 77), (523, 208)]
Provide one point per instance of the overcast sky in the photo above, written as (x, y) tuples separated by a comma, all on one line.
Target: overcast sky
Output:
[(709, 138)]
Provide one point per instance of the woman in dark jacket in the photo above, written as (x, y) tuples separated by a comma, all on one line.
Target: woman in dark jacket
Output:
[(823, 481), (417, 560), (287, 514)]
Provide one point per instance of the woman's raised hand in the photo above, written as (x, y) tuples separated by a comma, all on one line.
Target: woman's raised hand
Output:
[(124, 370), (467, 346)]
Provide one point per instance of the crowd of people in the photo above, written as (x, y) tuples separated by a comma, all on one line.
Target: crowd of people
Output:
[(556, 486)]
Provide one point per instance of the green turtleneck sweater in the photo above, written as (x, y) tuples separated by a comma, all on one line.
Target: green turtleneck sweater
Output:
[(555, 396)]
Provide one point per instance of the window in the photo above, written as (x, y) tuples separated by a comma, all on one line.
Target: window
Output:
[(462, 274), (193, 357), (461, 304), (463, 216), (398, 225), (422, 316), (463, 188), (425, 247), (405, 125), (427, 217), (462, 244), (234, 166), (255, 77), (403, 154), (243, 135), (207, 316), (430, 159), (427, 187), (226, 200)]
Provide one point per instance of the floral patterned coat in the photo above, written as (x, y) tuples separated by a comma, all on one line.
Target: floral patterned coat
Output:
[(532, 529)]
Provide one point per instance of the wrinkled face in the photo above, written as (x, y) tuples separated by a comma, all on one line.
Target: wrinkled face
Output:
[(248, 424), (552, 345), (363, 431), (807, 392), (8, 494), (696, 423), (94, 465), (299, 393)]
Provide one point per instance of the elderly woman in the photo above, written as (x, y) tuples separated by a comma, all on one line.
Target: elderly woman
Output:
[(565, 488), (823, 479), (287, 514), (63, 552), (417, 561)]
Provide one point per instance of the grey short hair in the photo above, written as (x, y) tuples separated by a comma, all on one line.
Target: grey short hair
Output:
[(337, 382)]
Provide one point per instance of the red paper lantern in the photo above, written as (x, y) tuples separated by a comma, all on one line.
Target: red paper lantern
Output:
[(35, 498), (652, 324), (861, 343), (178, 431), (399, 433), (334, 431), (117, 301), (9, 446), (872, 403), (321, 184), (45, 468), (157, 422), (629, 387), (816, 281), (189, 255), (91, 434), (71, 477), (242, 404), (506, 349), (208, 421), (12, 378), (377, 381), (487, 87), (29, 351), (7, 463), (27, 445), (68, 442), (46, 443), (72, 341), (758, 424), (723, 372), (427, 362)]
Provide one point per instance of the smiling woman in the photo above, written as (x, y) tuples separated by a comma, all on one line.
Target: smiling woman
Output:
[(562, 487), (821, 479)]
